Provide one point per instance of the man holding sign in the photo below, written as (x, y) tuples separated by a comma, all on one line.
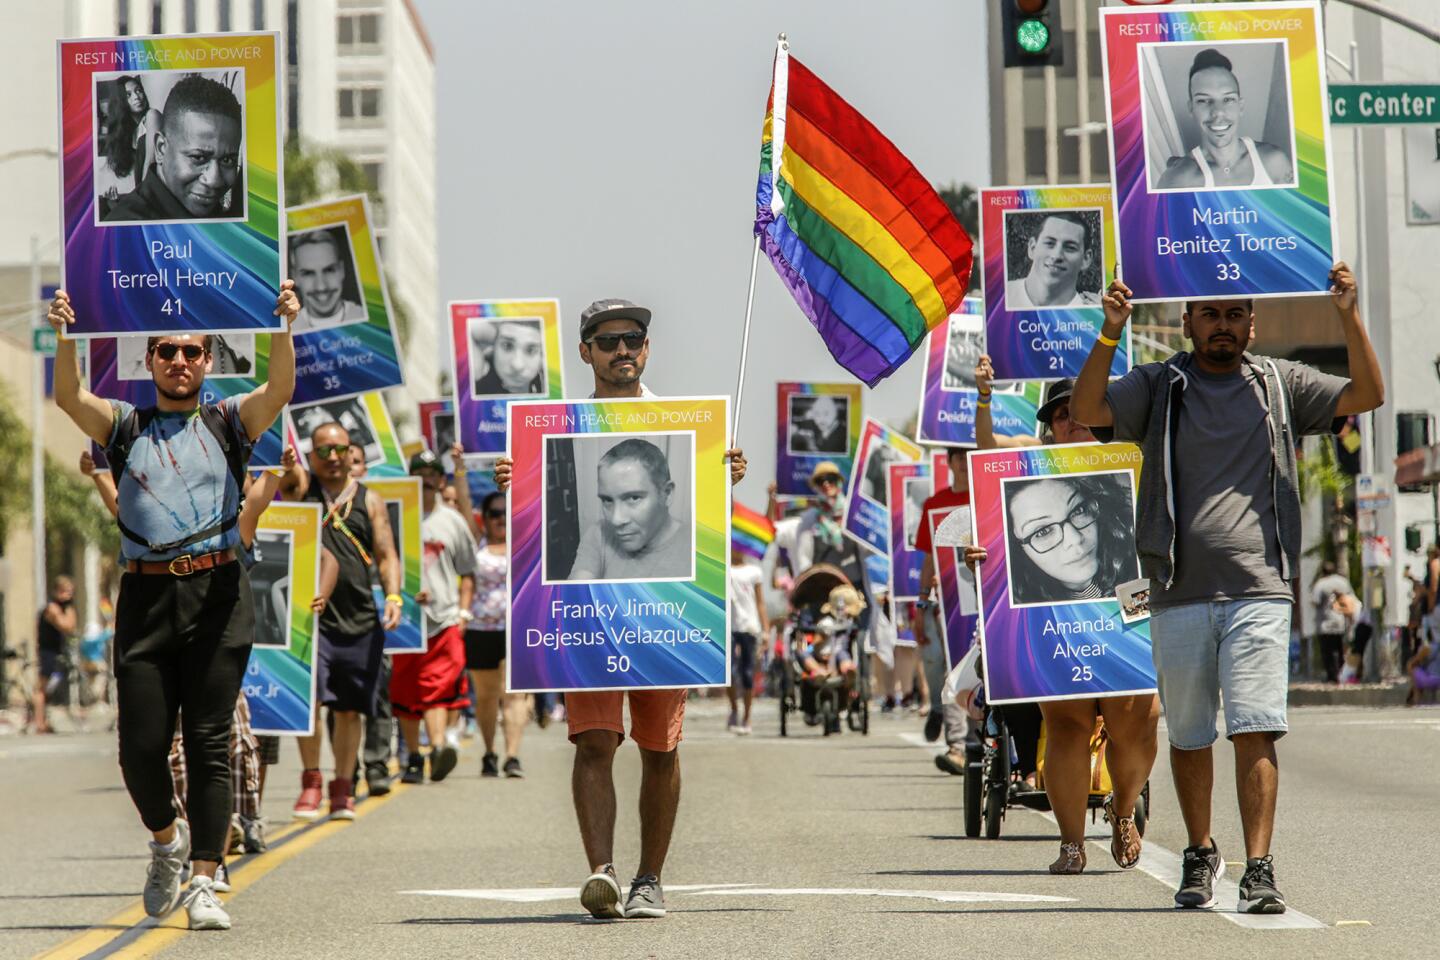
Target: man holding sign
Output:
[(615, 344), (185, 620), (1218, 535)]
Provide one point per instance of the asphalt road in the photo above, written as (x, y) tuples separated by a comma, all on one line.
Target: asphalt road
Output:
[(851, 846)]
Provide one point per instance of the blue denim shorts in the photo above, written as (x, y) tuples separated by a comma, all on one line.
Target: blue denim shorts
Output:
[(1237, 651)]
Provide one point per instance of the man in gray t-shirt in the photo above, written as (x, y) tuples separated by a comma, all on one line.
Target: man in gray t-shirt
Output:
[(1218, 534)]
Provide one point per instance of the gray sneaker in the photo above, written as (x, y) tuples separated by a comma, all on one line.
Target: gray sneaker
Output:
[(162, 877), (205, 909), (601, 895), (647, 898)]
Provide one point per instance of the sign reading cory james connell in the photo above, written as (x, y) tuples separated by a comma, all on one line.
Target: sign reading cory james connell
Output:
[(171, 183), (619, 534), (1219, 145)]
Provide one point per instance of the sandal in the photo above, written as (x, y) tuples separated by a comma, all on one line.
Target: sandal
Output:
[(1071, 859), (1124, 836)]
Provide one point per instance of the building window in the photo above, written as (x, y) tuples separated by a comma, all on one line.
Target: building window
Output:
[(122, 17), (358, 30), (157, 17), (360, 105), (224, 16), (190, 16), (257, 14), (292, 69), (372, 171)]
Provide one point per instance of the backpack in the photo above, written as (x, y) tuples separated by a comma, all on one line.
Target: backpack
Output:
[(236, 458)]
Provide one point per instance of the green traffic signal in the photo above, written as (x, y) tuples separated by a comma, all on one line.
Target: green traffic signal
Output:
[(1033, 36)]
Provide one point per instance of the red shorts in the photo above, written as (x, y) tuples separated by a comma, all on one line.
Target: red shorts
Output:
[(435, 678), (655, 715)]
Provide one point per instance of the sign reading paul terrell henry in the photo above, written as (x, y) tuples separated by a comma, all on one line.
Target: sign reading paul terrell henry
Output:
[(619, 533), (171, 183), (1219, 139)]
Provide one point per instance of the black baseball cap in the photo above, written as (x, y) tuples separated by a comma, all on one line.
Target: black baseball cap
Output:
[(1055, 394), (612, 309), (425, 460)]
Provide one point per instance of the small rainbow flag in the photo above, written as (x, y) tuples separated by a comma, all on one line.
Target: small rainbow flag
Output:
[(750, 532), (866, 246)]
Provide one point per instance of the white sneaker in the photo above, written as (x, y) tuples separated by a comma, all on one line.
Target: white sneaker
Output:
[(743, 730), (162, 878), (205, 909), (222, 879)]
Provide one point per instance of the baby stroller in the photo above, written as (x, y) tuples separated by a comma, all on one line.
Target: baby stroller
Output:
[(992, 784), (823, 615)]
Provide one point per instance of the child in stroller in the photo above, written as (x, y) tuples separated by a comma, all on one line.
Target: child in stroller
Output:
[(820, 662)]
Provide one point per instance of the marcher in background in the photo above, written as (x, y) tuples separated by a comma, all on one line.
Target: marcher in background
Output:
[(749, 621), (1331, 596), (1218, 534), (54, 627), (428, 686), (184, 621)]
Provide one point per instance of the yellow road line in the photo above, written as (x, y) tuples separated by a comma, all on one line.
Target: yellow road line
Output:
[(242, 876)]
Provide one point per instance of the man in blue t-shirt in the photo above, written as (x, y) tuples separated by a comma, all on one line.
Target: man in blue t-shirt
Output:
[(184, 621)]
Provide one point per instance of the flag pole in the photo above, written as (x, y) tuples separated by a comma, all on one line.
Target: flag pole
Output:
[(744, 344)]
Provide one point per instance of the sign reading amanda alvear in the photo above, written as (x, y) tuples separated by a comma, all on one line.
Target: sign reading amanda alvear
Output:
[(619, 533), (1058, 524)]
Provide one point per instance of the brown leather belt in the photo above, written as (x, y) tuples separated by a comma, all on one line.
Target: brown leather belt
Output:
[(183, 565)]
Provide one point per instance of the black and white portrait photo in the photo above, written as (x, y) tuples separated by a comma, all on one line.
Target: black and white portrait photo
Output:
[(394, 509), (442, 428), (270, 583), (963, 347), (619, 508), (231, 355), (351, 414), (1217, 116), (507, 357), (917, 491), (169, 146), (1070, 538), (1054, 259), (322, 264), (874, 477), (819, 424)]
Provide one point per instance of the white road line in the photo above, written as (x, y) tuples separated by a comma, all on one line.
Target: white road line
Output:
[(1164, 866), (545, 894)]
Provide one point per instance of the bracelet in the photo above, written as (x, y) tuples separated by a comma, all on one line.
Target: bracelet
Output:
[(984, 397), (1108, 341), (982, 405), (394, 598)]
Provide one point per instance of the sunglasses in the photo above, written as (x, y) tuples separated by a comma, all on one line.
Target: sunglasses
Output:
[(494, 514), (828, 478), (167, 351), (327, 450), (607, 342)]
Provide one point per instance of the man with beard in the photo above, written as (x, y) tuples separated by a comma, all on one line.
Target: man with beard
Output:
[(197, 159), (1218, 535), (184, 621), (1064, 247), (321, 270)]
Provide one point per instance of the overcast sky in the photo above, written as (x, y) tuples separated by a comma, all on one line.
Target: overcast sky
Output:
[(610, 149)]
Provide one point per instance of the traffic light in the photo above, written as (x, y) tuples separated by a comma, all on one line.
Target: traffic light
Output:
[(1031, 33)]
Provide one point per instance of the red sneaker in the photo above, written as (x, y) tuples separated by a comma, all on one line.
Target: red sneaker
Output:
[(342, 802), (308, 806)]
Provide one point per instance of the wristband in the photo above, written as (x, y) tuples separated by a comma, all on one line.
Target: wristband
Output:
[(982, 405), (1108, 341), (985, 396), (394, 598)]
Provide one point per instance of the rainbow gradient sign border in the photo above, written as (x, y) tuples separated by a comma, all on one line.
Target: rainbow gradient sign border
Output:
[(279, 684), (866, 520), (252, 248), (480, 424), (1304, 213), (792, 470), (596, 645), (1053, 343), (411, 636), (1062, 651), (336, 362), (947, 417)]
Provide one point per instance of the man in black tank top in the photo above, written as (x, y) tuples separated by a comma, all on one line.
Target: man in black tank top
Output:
[(351, 642), (56, 625)]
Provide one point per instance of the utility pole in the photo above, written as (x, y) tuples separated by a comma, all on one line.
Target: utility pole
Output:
[(37, 433)]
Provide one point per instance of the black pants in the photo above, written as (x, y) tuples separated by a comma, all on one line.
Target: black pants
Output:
[(181, 642), (1023, 721), (1332, 654)]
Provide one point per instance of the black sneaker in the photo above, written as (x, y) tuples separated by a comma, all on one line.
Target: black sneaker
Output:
[(414, 768), (442, 761), (378, 785), (1199, 870), (1257, 887), (489, 765), (934, 724), (512, 769)]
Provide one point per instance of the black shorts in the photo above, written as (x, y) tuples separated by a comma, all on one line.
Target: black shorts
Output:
[(484, 649), (347, 671)]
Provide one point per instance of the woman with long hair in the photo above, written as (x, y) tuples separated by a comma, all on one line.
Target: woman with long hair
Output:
[(1071, 538), (128, 140)]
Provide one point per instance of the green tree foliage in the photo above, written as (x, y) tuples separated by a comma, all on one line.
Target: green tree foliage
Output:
[(314, 172), (963, 199), (74, 515), (14, 466)]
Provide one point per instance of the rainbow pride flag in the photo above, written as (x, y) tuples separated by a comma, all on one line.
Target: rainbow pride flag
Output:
[(750, 532), (866, 246)]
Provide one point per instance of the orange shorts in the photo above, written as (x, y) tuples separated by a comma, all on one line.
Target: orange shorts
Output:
[(655, 715)]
